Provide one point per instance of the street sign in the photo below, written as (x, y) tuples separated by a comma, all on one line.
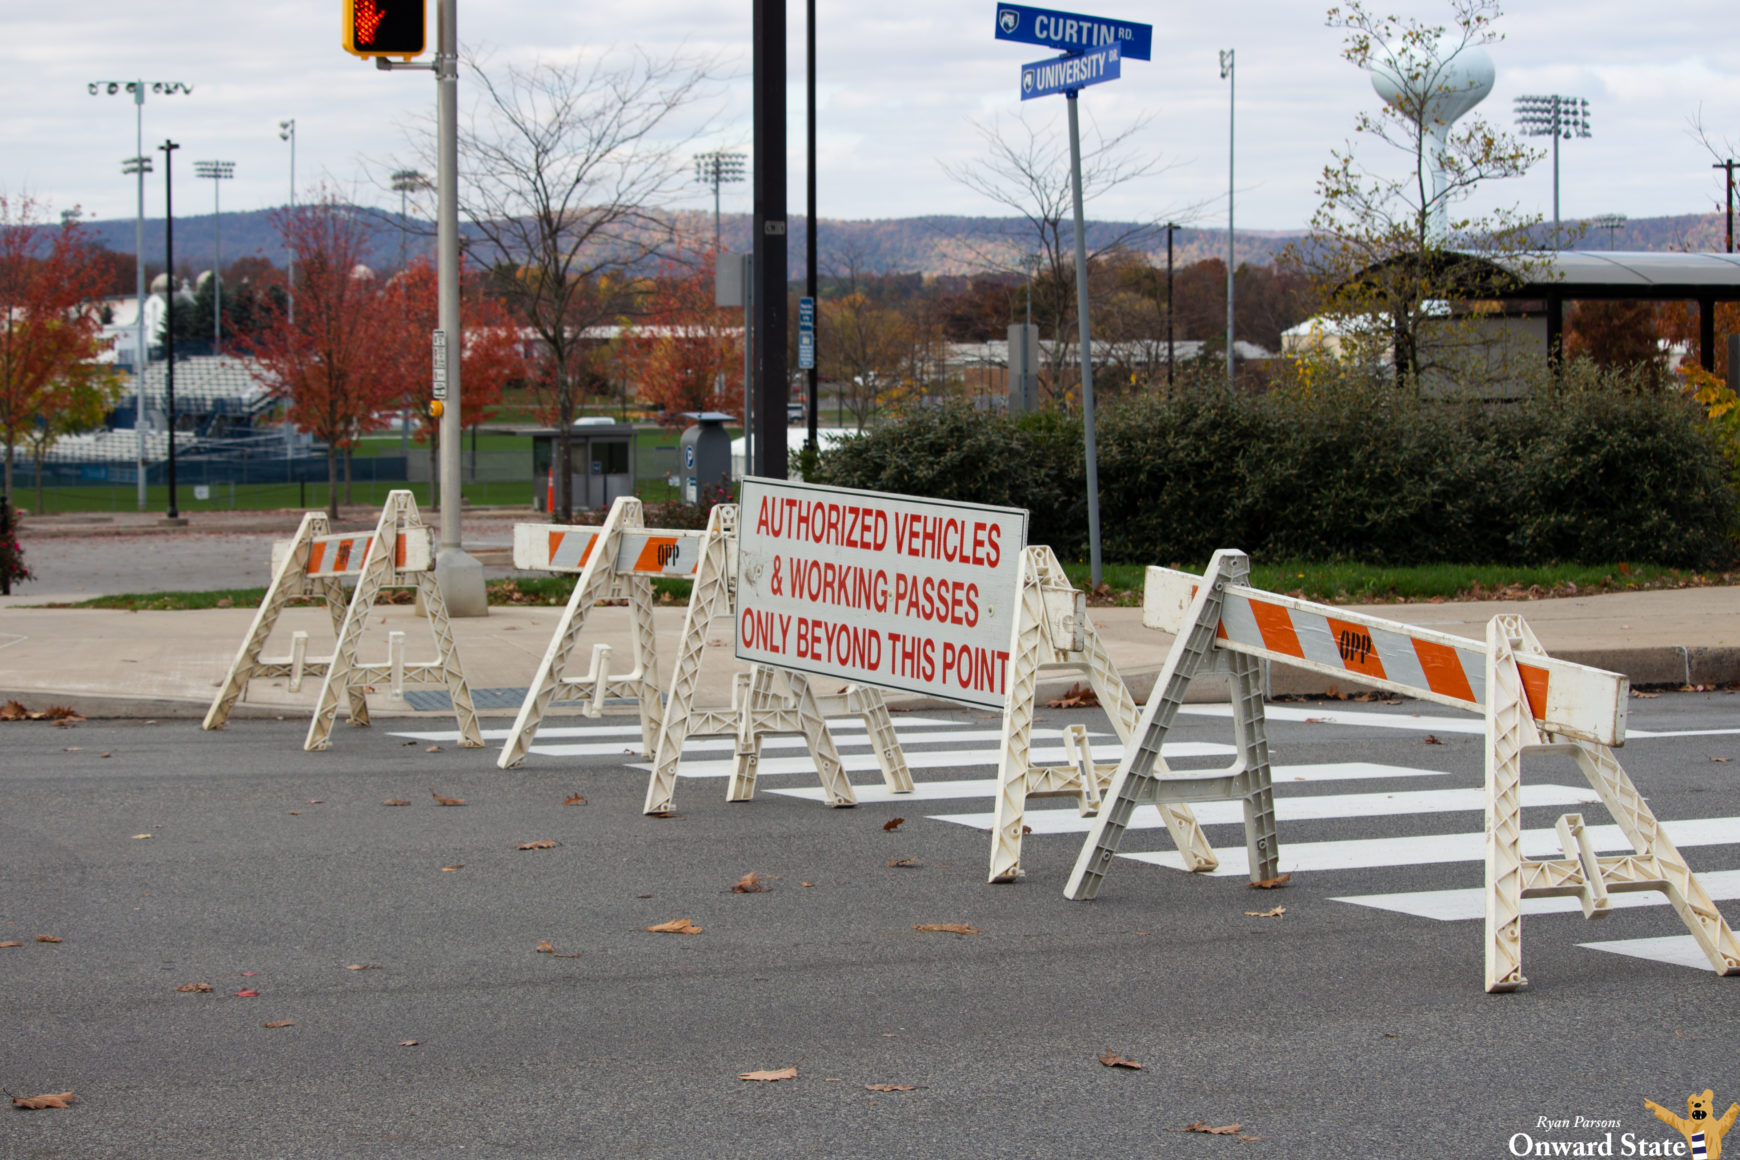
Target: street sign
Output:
[(1073, 32), (912, 594), (438, 349), (1066, 74), (806, 333)]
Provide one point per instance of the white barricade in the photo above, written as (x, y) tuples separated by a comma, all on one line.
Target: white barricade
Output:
[(617, 560), (758, 709), (1532, 703), (399, 553)]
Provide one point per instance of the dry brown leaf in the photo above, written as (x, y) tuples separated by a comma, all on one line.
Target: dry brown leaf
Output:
[(137, 837), (433, 749), (904, 862), (806, 883), (544, 948), (455, 866), (105, 755), (407, 1043), (195, 988), (49, 938), (19, 944), (575, 799), (945, 928), (890, 1087), (13, 711), (769, 1076), (1275, 913), (663, 814), (37, 1103), (1274, 883), (280, 1023), (1722, 760), (446, 801), (1645, 696), (675, 926), (395, 802), (540, 844), (1249, 1139), (1079, 696), (1205, 1126), (1430, 739), (892, 823), (1025, 830), (364, 967), (750, 883), (1111, 1060)]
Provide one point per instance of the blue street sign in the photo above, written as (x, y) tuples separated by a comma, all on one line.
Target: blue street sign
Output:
[(1065, 74), (806, 333), (1073, 32)]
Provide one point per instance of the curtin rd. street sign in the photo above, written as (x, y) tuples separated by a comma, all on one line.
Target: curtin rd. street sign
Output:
[(1065, 74), (1072, 32)]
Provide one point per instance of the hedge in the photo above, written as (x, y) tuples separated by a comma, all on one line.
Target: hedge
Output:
[(1600, 468)]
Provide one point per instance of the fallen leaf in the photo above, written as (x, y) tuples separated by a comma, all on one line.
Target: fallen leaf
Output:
[(1275, 913), (316, 801), (575, 799), (1645, 696), (1430, 739), (455, 866), (544, 948), (1205, 1126), (806, 883), (72, 749), (249, 974), (904, 862), (540, 844), (750, 883), (407, 1043), (1722, 760), (295, 813), (663, 814), (1110, 1060), (890, 1087), (446, 801), (195, 988), (13, 711), (769, 1076), (395, 802), (364, 967), (37, 1103), (1274, 883), (675, 926), (433, 749), (1025, 830), (945, 928), (892, 823), (280, 1023), (105, 755), (246, 994), (49, 938), (1079, 696), (137, 837), (19, 944), (1318, 721), (643, 896), (1250, 1139)]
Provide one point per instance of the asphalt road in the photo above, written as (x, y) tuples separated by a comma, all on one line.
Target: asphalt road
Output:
[(1337, 1030)]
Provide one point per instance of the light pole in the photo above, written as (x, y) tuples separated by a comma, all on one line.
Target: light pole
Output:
[(1171, 228), (169, 147), (287, 132), (405, 183), (219, 172), (718, 168), (1553, 116), (1729, 165), (1226, 74), (139, 165), (1611, 222)]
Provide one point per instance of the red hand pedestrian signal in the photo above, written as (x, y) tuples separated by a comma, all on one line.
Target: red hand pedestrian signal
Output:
[(384, 27)]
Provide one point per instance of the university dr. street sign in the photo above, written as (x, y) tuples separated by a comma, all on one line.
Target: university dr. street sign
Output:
[(1063, 74), (1073, 32)]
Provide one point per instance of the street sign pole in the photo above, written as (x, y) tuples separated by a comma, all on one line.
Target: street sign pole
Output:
[(1087, 353)]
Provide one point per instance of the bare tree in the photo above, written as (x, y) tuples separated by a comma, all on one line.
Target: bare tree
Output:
[(1026, 169), (565, 165)]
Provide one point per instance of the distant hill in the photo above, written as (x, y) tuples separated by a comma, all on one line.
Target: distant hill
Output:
[(928, 245)]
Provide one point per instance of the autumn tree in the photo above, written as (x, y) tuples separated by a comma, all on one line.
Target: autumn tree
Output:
[(686, 354), (48, 279), (330, 364)]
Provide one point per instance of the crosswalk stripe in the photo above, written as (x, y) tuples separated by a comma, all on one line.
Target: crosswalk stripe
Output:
[(1467, 904), (1429, 849), (1679, 950), (557, 732), (842, 740), (936, 759), (1300, 809), (1414, 722)]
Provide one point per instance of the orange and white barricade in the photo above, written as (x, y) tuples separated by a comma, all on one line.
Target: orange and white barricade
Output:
[(1052, 633), (759, 709), (1532, 703), (399, 553), (616, 561)]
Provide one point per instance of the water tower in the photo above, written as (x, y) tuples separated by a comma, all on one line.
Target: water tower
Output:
[(1437, 93)]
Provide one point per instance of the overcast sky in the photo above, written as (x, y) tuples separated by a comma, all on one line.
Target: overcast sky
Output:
[(901, 81)]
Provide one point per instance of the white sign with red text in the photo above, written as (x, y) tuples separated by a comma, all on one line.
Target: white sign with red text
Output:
[(916, 595)]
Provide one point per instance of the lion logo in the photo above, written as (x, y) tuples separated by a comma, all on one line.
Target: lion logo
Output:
[(1703, 1135)]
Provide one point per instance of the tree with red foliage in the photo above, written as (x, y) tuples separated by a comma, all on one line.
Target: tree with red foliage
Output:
[(47, 275), (333, 364), (687, 355)]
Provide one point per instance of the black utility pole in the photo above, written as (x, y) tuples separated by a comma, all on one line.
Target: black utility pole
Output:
[(1171, 227), (771, 388), (810, 211), (169, 147), (1729, 166)]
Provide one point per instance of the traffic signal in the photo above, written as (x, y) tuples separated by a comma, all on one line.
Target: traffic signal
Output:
[(383, 27)]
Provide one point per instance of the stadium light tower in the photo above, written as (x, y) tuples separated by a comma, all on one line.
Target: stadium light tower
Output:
[(718, 168), (1611, 222), (1553, 116), (219, 172)]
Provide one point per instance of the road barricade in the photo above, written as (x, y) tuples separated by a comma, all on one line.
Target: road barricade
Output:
[(399, 553), (1532, 703), (615, 561), (759, 708)]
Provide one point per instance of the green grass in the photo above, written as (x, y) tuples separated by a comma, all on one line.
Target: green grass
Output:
[(537, 590)]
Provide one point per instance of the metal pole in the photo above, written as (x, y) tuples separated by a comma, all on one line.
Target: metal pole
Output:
[(1226, 70), (139, 268), (771, 384), (1171, 350), (1087, 353), (447, 261), (217, 265), (1728, 173), (287, 132), (1556, 132), (810, 221), (169, 148)]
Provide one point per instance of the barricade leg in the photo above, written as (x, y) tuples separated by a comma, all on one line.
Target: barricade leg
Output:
[(652, 710), (1510, 729), (1250, 735), (341, 671), (447, 652), (756, 703), (287, 584), (764, 712), (1029, 646)]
